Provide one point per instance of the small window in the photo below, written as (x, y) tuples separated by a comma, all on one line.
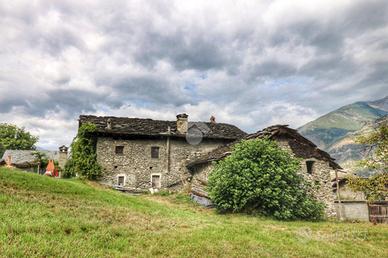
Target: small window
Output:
[(120, 180), (310, 166), (119, 150), (155, 181), (155, 152)]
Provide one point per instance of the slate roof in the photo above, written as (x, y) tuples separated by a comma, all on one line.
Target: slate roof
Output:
[(150, 127), (26, 158), (302, 147)]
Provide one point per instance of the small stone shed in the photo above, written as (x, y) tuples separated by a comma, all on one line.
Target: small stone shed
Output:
[(316, 165)]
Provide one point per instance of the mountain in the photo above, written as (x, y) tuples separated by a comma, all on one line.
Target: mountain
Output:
[(336, 131)]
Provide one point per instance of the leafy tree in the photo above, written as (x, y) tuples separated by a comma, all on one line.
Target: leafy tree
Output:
[(260, 177), (375, 187), (83, 158), (15, 138), (41, 159), (377, 141)]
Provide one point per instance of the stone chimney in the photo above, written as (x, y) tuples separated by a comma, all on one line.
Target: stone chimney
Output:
[(182, 123), (213, 119), (62, 156)]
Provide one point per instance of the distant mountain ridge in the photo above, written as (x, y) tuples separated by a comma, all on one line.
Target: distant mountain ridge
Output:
[(336, 131)]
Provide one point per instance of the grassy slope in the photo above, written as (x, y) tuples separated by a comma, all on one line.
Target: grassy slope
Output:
[(41, 216), (351, 117)]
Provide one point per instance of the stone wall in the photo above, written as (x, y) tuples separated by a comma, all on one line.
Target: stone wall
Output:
[(348, 194), (200, 178), (137, 166), (352, 210), (319, 179)]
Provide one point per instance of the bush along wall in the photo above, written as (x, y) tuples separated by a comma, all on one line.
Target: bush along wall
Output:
[(83, 158), (260, 177)]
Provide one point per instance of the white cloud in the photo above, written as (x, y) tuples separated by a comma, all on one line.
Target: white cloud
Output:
[(251, 63)]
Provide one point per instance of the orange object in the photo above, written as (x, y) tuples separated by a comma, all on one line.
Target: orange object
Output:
[(50, 168)]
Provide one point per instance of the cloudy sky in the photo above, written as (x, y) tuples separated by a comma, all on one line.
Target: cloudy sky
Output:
[(251, 63)]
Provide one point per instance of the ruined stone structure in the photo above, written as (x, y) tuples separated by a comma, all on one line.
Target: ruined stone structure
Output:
[(316, 164), (62, 156), (142, 154)]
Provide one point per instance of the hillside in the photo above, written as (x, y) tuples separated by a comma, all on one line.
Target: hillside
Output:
[(46, 217), (336, 131)]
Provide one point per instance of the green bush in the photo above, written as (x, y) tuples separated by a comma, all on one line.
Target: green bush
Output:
[(83, 158), (69, 170), (260, 177)]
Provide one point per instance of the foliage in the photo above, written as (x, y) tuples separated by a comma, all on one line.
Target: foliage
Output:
[(69, 170), (374, 187), (83, 159), (45, 217), (41, 159), (261, 177), (378, 144), (15, 138)]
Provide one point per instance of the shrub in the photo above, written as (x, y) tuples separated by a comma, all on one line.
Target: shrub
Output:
[(83, 159), (260, 177), (69, 170)]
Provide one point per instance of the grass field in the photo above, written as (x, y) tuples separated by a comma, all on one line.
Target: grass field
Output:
[(46, 217)]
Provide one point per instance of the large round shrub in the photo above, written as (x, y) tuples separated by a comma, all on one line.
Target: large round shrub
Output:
[(261, 177)]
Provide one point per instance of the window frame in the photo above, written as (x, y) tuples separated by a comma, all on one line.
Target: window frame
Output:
[(124, 179), (152, 152), (310, 166), (119, 147), (160, 180)]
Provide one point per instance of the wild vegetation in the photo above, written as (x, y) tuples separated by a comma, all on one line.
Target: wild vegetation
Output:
[(83, 159), (261, 177), (15, 138), (375, 187), (46, 217)]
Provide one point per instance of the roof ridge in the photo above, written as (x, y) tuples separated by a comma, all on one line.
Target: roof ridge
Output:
[(157, 120)]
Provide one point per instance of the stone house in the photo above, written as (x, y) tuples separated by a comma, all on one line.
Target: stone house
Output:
[(144, 154), (316, 165)]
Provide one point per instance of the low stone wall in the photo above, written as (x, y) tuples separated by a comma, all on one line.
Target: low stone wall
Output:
[(352, 210)]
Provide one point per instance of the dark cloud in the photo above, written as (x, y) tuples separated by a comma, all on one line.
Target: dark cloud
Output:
[(262, 63)]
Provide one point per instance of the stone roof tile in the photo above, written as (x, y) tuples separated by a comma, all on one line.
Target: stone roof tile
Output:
[(150, 127)]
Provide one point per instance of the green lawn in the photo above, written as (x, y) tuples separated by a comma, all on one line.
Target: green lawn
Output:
[(46, 217)]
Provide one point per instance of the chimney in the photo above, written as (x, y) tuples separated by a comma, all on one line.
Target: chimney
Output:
[(62, 159), (182, 123), (213, 119)]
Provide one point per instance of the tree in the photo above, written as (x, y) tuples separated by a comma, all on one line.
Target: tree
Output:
[(41, 159), (260, 177), (83, 158), (374, 187), (15, 138), (377, 142)]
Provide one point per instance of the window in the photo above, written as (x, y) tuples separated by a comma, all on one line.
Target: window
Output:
[(155, 152), (155, 181), (310, 166), (119, 150), (120, 180)]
